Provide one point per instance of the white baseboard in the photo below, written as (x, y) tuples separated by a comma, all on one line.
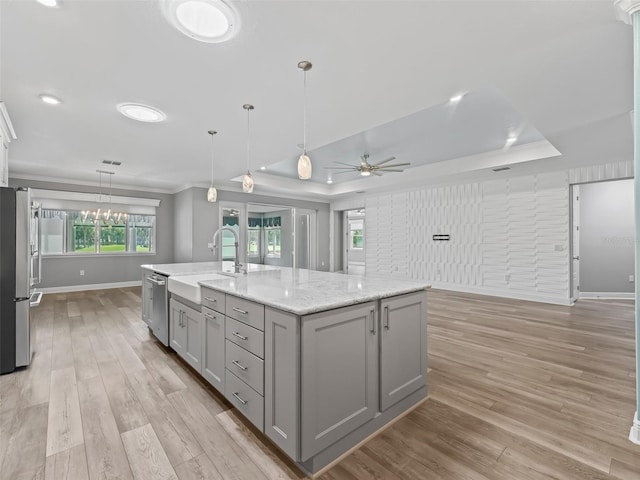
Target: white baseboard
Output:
[(95, 286), (608, 295), (634, 434), (504, 293)]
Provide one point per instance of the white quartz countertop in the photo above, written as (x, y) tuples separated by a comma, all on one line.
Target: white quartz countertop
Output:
[(302, 292), (200, 267)]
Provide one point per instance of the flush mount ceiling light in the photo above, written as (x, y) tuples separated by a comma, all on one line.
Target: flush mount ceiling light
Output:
[(49, 3), (212, 193), (304, 162), (141, 113), (211, 21), (50, 99), (247, 179)]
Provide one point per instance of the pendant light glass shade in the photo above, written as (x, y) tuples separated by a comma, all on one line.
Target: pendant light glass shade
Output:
[(304, 162), (212, 193), (304, 167), (247, 179), (247, 182)]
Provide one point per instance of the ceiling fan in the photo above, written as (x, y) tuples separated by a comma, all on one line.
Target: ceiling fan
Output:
[(365, 168)]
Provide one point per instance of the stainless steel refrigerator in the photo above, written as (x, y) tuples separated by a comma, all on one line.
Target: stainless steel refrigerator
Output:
[(19, 272)]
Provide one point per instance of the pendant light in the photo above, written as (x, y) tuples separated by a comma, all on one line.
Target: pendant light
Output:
[(304, 162), (212, 193), (247, 179)]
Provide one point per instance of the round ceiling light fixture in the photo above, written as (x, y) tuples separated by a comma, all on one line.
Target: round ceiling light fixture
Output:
[(49, 3), (50, 99), (210, 21), (141, 113)]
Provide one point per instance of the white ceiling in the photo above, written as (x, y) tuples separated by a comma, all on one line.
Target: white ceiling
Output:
[(559, 72)]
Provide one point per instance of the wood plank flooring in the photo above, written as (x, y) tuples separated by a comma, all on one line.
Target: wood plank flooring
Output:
[(517, 391)]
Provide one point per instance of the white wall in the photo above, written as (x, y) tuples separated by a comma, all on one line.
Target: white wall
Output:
[(508, 237)]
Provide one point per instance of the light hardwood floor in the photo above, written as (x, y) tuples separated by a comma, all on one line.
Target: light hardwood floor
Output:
[(517, 390)]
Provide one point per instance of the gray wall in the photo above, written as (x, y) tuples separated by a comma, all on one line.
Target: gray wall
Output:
[(607, 237), (183, 226), (65, 271)]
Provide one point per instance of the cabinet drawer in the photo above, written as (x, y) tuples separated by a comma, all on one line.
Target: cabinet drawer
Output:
[(213, 299), (245, 366), (247, 337), (245, 399), (246, 311)]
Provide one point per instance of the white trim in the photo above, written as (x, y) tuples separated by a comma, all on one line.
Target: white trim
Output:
[(94, 286), (43, 195), (608, 295), (5, 123), (624, 10), (503, 293), (16, 177), (634, 434)]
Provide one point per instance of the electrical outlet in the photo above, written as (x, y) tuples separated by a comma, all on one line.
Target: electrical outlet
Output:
[(82, 273), (632, 278), (322, 264), (210, 245)]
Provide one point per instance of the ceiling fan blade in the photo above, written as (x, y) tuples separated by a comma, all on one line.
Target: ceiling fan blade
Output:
[(395, 165), (376, 173), (387, 170), (347, 164), (341, 168), (345, 171), (384, 161)]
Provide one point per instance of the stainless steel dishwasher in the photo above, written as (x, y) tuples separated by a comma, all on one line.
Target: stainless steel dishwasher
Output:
[(156, 303)]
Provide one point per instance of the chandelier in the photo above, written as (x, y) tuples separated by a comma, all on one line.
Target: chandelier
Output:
[(104, 210)]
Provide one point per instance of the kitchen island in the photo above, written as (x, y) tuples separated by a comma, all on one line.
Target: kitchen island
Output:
[(317, 361)]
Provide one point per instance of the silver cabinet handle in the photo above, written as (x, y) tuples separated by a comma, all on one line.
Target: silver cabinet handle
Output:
[(240, 311), (239, 365), (208, 315), (386, 315), (182, 319), (372, 314), (244, 402), (209, 299), (241, 337)]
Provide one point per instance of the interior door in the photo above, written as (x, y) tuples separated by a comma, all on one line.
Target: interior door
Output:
[(575, 242)]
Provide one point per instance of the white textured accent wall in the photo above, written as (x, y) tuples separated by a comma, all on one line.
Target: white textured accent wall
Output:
[(509, 237), (598, 173)]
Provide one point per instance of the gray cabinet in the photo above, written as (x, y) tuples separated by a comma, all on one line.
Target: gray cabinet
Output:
[(403, 347), (186, 333), (213, 354), (281, 380), (339, 374)]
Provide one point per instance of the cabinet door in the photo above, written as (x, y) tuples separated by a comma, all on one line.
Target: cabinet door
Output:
[(147, 300), (281, 380), (213, 355), (193, 324), (403, 347), (339, 376), (178, 334)]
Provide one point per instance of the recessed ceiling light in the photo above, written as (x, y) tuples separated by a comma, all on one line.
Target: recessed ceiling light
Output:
[(50, 99), (211, 21), (456, 98), (263, 167), (511, 139), (329, 181), (49, 3), (142, 113)]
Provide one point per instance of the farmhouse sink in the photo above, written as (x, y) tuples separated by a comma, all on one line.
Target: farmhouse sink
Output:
[(187, 286)]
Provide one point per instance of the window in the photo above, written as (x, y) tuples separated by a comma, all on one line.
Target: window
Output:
[(357, 239), (253, 242), (274, 243), (65, 232)]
